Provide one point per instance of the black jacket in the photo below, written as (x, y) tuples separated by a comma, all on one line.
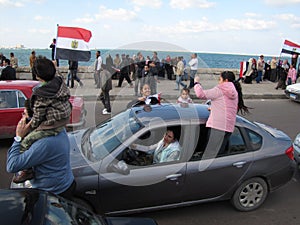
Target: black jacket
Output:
[(8, 73)]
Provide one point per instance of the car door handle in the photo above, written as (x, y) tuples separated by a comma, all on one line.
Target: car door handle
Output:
[(239, 164), (174, 176)]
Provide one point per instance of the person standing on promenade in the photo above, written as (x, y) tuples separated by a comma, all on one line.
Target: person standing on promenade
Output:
[(73, 67), (106, 86), (154, 67), (49, 156), (140, 64), (8, 73), (260, 69), (226, 101), (283, 71), (98, 68), (169, 67), (193, 63), (32, 59), (291, 76), (273, 65), (53, 49), (13, 61)]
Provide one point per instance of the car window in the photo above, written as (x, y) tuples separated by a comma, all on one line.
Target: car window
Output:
[(148, 151), (11, 99), (235, 145), (255, 139), (8, 99), (101, 141), (236, 142)]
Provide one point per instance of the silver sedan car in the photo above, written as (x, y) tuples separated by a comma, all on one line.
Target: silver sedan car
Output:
[(114, 178)]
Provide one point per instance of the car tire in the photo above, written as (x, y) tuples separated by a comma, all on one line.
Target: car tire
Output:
[(250, 195)]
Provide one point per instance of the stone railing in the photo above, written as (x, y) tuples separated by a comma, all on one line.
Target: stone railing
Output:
[(88, 73)]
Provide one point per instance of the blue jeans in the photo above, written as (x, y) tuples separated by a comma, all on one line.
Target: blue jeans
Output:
[(179, 81), (259, 76)]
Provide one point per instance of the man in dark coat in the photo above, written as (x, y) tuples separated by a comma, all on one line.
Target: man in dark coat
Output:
[(8, 73)]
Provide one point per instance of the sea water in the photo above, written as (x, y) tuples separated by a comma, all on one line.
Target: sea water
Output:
[(206, 60)]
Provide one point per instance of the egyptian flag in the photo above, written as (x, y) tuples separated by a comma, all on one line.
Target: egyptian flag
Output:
[(72, 43), (290, 48)]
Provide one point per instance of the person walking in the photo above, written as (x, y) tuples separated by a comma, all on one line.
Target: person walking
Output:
[(226, 101), (179, 71), (73, 66), (106, 86), (124, 71)]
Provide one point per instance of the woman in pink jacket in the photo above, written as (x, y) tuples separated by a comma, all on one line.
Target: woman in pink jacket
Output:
[(226, 101)]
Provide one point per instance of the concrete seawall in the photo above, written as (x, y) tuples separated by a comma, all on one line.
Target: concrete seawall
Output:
[(85, 72)]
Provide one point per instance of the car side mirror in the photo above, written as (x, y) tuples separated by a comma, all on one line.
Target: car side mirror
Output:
[(118, 167)]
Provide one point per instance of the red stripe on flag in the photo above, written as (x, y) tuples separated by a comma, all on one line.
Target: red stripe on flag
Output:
[(74, 32), (289, 43)]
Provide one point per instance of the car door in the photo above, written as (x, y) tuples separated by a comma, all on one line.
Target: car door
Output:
[(145, 186), (212, 178)]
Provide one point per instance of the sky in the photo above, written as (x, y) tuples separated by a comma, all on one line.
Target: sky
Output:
[(218, 26)]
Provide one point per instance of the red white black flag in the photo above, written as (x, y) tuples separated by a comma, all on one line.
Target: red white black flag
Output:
[(73, 43), (290, 48)]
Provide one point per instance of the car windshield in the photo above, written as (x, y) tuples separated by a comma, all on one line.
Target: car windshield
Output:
[(102, 140)]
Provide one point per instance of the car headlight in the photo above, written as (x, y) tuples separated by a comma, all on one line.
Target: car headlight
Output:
[(297, 141)]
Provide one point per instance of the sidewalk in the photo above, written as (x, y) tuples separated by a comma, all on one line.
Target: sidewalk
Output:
[(263, 90)]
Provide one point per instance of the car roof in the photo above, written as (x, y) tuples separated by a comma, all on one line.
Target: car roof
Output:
[(168, 112), (171, 112), (17, 84)]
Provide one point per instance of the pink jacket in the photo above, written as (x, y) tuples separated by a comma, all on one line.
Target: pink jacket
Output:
[(292, 74), (224, 103)]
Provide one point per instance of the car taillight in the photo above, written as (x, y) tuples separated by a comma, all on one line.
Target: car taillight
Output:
[(290, 152)]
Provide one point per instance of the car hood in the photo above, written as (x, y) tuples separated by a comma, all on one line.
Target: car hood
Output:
[(129, 220)]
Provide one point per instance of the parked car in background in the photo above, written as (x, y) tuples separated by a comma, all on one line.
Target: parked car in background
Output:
[(293, 92), (114, 178), (296, 146), (12, 98), (32, 207)]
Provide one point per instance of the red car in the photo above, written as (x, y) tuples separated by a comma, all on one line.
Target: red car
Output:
[(12, 98)]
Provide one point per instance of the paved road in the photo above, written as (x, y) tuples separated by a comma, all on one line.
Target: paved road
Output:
[(281, 207)]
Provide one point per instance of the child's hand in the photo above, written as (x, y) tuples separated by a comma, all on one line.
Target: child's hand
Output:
[(197, 79)]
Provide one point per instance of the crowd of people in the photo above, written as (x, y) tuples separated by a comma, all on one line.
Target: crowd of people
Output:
[(279, 71)]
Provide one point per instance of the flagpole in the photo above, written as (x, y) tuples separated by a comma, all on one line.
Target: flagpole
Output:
[(56, 41)]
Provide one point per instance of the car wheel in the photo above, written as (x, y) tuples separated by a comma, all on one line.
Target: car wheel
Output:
[(250, 195)]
